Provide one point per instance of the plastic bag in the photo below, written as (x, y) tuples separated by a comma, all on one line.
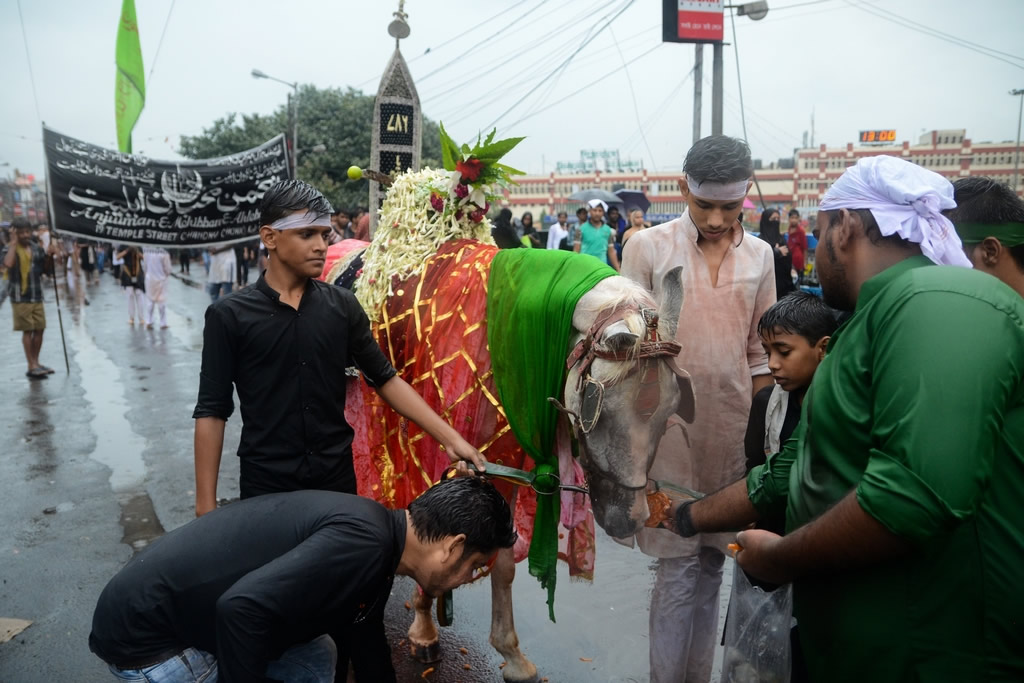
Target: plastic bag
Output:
[(757, 644)]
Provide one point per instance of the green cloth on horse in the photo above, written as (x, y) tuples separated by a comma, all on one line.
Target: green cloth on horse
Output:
[(531, 296)]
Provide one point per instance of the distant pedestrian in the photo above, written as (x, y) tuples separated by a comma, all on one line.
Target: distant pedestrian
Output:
[(157, 263), (502, 231), (558, 232), (769, 232), (797, 242), (597, 238), (529, 238), (133, 283), (23, 259), (184, 260), (362, 229), (636, 224), (222, 271)]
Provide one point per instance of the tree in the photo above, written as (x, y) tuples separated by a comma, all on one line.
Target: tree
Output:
[(340, 120)]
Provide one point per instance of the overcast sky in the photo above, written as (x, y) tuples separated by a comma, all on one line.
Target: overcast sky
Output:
[(848, 61)]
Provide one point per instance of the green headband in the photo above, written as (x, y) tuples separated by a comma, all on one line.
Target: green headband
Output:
[(1010, 234)]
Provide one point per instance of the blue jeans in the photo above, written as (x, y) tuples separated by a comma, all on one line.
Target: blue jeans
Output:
[(311, 662), (217, 289)]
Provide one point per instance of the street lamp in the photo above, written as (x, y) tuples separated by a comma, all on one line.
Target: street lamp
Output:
[(1016, 156), (294, 102)]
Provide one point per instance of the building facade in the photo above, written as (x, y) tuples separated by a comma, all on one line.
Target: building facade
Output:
[(800, 182)]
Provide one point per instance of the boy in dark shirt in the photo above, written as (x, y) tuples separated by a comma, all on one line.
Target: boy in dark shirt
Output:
[(794, 333), (283, 344), (247, 592)]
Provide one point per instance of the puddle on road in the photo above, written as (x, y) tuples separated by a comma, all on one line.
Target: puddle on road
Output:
[(118, 446)]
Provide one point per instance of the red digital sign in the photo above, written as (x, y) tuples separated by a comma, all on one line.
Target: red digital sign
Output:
[(877, 136), (692, 21)]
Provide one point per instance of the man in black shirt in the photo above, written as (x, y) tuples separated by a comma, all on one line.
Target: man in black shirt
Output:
[(249, 590), (284, 344)]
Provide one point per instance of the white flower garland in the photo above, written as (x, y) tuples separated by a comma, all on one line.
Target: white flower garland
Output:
[(409, 232)]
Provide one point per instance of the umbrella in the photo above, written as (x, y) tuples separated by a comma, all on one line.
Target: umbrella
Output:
[(634, 199), (595, 193)]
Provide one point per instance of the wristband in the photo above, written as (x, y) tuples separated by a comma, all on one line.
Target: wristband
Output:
[(684, 523)]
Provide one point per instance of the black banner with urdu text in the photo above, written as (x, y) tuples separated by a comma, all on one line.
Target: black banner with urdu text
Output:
[(106, 195)]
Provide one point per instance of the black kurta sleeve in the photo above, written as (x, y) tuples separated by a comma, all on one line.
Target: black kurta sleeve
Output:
[(218, 367), (363, 348)]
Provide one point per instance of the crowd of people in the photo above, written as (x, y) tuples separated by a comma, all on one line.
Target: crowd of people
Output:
[(866, 447)]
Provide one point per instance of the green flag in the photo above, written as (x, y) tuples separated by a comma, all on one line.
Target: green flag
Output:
[(130, 91)]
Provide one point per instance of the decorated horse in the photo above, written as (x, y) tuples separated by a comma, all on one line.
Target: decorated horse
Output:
[(556, 369)]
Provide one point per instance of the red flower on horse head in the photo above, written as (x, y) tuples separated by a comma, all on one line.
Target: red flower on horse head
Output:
[(469, 168)]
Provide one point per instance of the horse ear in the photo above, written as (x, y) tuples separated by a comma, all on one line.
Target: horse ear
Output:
[(671, 302)]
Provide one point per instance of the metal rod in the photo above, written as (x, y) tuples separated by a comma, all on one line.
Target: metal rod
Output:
[(698, 84), (60, 318), (1016, 160), (717, 78)]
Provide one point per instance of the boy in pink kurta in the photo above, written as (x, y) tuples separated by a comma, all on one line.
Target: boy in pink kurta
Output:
[(722, 352)]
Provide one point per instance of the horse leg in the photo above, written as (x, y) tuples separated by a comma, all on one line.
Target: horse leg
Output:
[(424, 643), (518, 668)]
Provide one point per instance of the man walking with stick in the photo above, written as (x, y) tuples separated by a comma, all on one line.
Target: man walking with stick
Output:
[(24, 261)]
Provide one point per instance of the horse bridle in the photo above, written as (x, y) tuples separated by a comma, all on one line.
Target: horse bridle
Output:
[(645, 354)]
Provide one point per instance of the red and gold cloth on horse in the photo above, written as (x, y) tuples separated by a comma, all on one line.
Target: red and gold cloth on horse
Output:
[(434, 330)]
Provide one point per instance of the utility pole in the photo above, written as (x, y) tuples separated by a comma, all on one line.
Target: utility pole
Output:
[(1016, 156), (698, 85), (717, 81)]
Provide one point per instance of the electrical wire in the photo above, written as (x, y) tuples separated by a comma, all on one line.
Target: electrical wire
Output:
[(739, 87), (485, 41), (546, 65), (949, 38), (588, 85), (563, 65), (632, 94), (481, 71), (167, 21), (28, 58)]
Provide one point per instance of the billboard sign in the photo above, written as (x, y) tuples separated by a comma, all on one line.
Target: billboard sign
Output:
[(692, 21)]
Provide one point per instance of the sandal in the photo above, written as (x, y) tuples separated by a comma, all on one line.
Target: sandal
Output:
[(36, 373), (49, 370)]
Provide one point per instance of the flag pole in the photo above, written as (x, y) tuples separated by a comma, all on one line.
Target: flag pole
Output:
[(60, 318)]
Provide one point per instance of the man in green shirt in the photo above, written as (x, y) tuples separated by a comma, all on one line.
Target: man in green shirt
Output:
[(989, 218), (596, 238), (902, 486)]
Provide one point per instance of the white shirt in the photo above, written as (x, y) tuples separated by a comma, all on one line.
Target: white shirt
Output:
[(555, 235), (222, 266)]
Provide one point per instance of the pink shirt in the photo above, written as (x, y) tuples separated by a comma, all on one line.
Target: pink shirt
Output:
[(721, 351)]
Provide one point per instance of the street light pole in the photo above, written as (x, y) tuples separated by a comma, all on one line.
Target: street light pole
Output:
[(294, 107), (756, 11), (1016, 156)]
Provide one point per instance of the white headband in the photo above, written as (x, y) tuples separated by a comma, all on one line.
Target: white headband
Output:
[(719, 192), (594, 203), (304, 219), (906, 200)]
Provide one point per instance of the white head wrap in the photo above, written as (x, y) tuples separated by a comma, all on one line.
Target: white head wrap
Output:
[(594, 203), (302, 219), (718, 192), (906, 200)]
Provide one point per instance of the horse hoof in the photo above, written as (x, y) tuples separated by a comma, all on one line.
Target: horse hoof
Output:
[(426, 654), (534, 679)]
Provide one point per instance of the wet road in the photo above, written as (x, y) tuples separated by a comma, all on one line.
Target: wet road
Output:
[(98, 462)]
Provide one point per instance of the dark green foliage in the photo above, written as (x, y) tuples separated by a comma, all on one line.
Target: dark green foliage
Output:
[(341, 120)]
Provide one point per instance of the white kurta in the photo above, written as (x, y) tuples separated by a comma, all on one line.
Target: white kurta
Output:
[(721, 351), (222, 266), (157, 264)]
